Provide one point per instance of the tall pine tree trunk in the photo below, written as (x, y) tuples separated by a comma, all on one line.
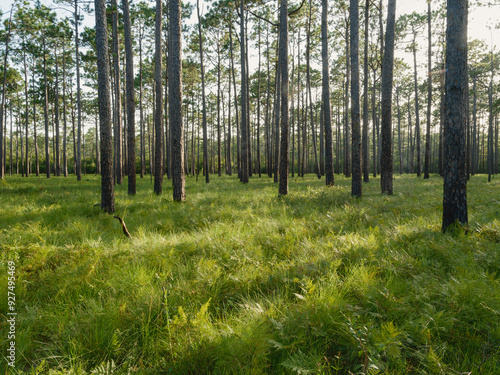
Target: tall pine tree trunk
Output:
[(386, 163), (159, 102), (365, 163), (327, 117), (244, 135), (107, 188), (455, 179), (283, 64), (175, 100), (203, 99), (429, 96), (78, 99), (356, 188), (129, 55)]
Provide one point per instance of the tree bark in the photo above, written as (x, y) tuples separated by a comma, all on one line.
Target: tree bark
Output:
[(244, 135), (206, 172), (175, 100), (283, 62), (107, 188), (56, 108), (365, 163), (386, 163), (308, 68), (327, 117), (455, 179), (78, 99), (356, 188), (118, 99), (429, 95), (2, 157), (417, 107), (129, 55), (46, 112), (159, 102)]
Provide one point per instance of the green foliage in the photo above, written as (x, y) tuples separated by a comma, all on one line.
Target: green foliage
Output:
[(239, 281)]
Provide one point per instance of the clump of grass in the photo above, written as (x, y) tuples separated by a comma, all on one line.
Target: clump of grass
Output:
[(236, 280)]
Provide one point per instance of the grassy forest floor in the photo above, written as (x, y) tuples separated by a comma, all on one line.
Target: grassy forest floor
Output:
[(238, 281)]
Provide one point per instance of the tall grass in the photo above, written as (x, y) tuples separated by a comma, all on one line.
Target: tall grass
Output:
[(238, 281)]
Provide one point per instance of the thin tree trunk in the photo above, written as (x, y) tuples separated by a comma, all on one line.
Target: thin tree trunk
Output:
[(347, 146), (65, 124), (244, 135), (56, 89), (118, 101), (129, 55), (417, 109), (205, 135), (46, 113), (26, 111), (78, 98), (257, 164), (365, 162), (308, 58), (429, 96), (374, 120), (229, 166), (356, 187), (159, 102), (37, 161), (238, 155), (219, 155), (399, 133), (2, 157)]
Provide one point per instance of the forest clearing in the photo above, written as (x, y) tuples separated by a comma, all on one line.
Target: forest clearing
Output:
[(249, 187), (237, 280)]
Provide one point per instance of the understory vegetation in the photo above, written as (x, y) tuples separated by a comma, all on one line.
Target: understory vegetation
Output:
[(238, 281)]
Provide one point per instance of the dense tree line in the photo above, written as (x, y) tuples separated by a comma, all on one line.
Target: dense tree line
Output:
[(207, 107)]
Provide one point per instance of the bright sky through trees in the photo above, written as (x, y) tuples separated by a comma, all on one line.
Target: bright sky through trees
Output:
[(481, 19)]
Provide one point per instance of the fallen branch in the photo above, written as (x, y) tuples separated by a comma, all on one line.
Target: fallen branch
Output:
[(124, 227)]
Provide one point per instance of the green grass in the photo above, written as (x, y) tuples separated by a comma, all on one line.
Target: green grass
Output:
[(238, 281)]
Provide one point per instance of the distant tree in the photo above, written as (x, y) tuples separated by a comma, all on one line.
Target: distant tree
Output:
[(107, 187), (203, 99), (364, 152), (118, 96), (427, 158), (78, 156), (2, 105), (455, 178)]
